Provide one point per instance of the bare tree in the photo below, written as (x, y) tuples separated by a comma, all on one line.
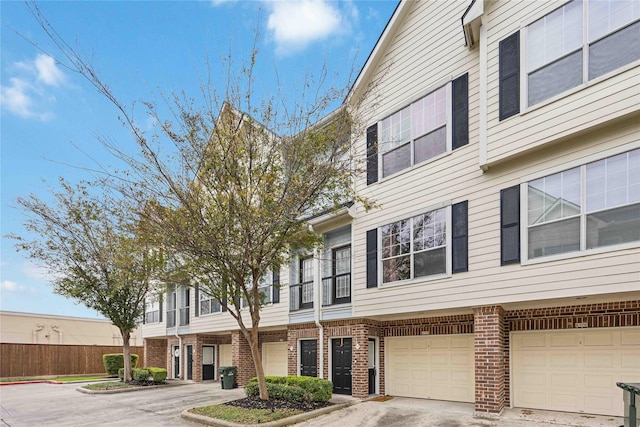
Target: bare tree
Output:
[(229, 180)]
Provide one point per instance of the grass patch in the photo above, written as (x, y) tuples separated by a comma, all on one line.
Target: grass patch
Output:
[(60, 379), (243, 415), (111, 385)]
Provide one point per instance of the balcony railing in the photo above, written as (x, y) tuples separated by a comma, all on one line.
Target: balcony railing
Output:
[(301, 296), (336, 289), (184, 316)]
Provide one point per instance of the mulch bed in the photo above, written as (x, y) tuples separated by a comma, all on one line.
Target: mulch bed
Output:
[(257, 403)]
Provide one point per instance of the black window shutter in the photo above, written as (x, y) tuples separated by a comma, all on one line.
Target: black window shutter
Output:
[(144, 312), (197, 301), (372, 258), (160, 314), (459, 237), (509, 76), (276, 285), (510, 225), (460, 111), (372, 154)]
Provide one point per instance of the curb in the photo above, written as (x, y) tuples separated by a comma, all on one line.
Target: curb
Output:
[(278, 423), (32, 382), (127, 389)]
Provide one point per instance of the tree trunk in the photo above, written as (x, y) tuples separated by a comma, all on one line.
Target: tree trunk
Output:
[(126, 351), (252, 339)]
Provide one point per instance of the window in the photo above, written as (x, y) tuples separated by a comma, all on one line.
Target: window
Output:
[(152, 310), (302, 274), (171, 307), (306, 280), (264, 287), (415, 247), (416, 133), (562, 55), (425, 129), (587, 207), (208, 304)]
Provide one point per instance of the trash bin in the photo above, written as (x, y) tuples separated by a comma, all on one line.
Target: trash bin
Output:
[(631, 391), (227, 377)]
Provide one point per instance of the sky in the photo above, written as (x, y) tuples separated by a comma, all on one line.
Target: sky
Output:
[(52, 119)]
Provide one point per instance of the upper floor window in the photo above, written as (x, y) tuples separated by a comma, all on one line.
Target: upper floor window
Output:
[(425, 129), (580, 41), (208, 304), (152, 310), (416, 133), (587, 207), (415, 247), (171, 307)]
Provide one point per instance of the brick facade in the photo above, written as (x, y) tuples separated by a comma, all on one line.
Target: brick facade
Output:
[(489, 337), (155, 353)]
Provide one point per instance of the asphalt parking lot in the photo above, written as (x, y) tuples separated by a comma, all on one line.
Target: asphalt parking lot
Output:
[(62, 405)]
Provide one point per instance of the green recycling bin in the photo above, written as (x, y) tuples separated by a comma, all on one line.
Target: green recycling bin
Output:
[(228, 377)]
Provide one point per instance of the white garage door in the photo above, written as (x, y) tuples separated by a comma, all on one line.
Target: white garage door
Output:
[(274, 358), (431, 367), (575, 370), (225, 355)]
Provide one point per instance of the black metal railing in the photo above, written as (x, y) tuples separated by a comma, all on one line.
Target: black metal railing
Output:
[(336, 289), (301, 296)]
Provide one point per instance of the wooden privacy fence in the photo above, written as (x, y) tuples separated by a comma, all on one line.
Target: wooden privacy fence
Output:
[(27, 360)]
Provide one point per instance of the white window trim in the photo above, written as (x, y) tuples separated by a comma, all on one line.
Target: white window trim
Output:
[(524, 75), (583, 251), (447, 84), (415, 280)]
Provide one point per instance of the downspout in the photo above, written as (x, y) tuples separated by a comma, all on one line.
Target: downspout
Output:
[(39, 327), (56, 329), (177, 319), (316, 307)]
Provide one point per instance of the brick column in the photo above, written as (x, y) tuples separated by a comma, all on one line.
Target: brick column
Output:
[(241, 358), (155, 354), (488, 326), (360, 361), (292, 352)]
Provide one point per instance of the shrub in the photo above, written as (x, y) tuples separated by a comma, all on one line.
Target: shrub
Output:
[(158, 374), (295, 389), (114, 361), (140, 374), (121, 374)]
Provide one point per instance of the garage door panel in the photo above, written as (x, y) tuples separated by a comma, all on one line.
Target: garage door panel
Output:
[(430, 371), (576, 379), (274, 358)]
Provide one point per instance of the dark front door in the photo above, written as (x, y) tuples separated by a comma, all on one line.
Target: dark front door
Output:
[(372, 366), (309, 358), (208, 364), (176, 362), (189, 362), (341, 355)]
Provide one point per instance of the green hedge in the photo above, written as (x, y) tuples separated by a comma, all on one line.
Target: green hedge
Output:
[(295, 389), (140, 374), (113, 362), (158, 374)]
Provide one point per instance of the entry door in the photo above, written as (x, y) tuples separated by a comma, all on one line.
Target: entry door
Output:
[(208, 364), (189, 362), (341, 357), (309, 358), (176, 361), (372, 366)]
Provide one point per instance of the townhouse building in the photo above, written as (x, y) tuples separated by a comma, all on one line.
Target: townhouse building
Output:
[(502, 264)]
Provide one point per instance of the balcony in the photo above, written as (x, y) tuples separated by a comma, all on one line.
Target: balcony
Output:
[(301, 296), (336, 289)]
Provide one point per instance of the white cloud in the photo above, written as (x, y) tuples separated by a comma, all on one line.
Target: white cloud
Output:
[(27, 94), (219, 2), (48, 71), (9, 286), (296, 24)]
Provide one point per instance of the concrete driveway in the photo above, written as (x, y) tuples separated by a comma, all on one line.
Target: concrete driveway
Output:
[(61, 405), (403, 412)]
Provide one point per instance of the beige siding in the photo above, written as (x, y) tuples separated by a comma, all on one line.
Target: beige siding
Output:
[(577, 110)]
